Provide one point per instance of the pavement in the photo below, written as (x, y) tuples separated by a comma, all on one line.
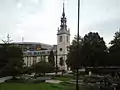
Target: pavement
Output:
[(58, 73), (5, 78), (53, 81)]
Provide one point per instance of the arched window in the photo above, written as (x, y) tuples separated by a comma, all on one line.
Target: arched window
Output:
[(61, 61), (60, 49)]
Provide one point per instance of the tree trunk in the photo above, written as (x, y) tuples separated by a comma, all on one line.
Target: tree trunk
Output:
[(56, 71), (13, 77), (77, 77), (44, 74), (105, 83), (35, 76), (62, 72)]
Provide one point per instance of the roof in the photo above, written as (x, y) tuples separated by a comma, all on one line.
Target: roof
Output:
[(29, 43), (36, 43)]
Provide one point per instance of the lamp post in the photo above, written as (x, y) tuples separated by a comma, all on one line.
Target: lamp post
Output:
[(77, 69)]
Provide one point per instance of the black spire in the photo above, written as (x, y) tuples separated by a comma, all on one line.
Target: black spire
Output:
[(63, 14), (63, 20)]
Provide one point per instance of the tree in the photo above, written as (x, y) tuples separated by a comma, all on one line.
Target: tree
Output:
[(3, 55), (72, 60), (51, 59), (13, 57), (114, 50), (16, 60), (94, 50), (43, 67)]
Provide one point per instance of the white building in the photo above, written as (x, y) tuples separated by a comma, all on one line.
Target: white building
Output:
[(63, 41), (32, 55)]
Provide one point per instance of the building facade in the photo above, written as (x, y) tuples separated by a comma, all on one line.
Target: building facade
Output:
[(63, 42), (32, 57), (35, 52)]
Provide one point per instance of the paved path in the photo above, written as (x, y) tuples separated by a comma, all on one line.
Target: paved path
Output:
[(53, 81), (5, 78), (59, 73)]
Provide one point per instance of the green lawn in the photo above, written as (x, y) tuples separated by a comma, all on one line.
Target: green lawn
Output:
[(42, 86), (68, 78), (63, 78)]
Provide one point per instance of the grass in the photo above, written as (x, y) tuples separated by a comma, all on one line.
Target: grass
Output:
[(41, 86), (45, 86), (68, 78), (63, 78), (88, 88)]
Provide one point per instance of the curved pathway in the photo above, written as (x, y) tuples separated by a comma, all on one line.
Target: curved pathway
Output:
[(5, 78)]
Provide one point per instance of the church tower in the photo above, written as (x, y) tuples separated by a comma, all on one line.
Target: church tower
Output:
[(63, 41)]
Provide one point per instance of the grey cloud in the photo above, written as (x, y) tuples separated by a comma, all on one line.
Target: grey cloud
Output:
[(11, 15)]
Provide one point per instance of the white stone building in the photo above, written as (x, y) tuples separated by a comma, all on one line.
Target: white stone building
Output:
[(32, 55), (63, 41)]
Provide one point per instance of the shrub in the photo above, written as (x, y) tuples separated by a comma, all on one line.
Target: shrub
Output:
[(21, 80)]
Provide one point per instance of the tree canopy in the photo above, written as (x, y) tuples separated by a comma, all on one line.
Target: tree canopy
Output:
[(92, 51), (42, 67), (114, 50), (11, 60), (73, 60), (51, 59)]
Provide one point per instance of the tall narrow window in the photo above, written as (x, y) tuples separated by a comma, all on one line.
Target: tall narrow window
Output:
[(60, 38), (61, 62), (67, 38)]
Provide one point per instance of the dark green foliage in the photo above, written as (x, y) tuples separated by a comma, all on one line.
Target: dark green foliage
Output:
[(43, 67), (16, 60), (73, 60), (51, 58), (28, 70), (4, 59), (15, 80), (11, 60), (114, 50), (92, 51)]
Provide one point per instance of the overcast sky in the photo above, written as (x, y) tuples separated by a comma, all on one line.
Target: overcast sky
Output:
[(38, 20)]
